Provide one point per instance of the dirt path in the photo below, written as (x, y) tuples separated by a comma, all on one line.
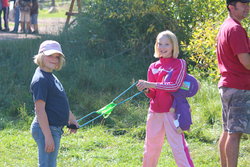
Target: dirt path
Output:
[(46, 26)]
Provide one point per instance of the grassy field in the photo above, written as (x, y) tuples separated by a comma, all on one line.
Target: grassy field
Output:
[(98, 146), (101, 145), (61, 10)]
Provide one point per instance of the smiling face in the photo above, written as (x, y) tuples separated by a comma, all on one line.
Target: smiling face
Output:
[(165, 47), (51, 62)]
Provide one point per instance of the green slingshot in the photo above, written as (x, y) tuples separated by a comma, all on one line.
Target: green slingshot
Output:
[(106, 110)]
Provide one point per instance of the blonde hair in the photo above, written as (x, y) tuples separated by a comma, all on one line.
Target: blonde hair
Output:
[(173, 39), (38, 59)]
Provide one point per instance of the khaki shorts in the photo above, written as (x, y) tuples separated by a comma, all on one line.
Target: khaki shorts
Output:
[(24, 17), (235, 110)]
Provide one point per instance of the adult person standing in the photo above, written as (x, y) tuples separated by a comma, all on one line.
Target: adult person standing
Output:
[(233, 53), (1, 7), (5, 10), (25, 7), (16, 17), (34, 16)]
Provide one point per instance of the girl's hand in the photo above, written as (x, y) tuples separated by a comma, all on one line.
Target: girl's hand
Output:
[(142, 84), (74, 122), (49, 144)]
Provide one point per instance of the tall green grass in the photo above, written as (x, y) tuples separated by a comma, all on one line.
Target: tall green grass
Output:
[(118, 140)]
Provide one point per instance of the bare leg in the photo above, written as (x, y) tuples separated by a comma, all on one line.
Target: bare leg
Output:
[(36, 27), (222, 147), (28, 27), (232, 149), (22, 26)]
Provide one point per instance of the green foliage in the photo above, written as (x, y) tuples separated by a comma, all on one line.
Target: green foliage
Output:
[(126, 28), (138, 132), (113, 26), (16, 73), (202, 46), (202, 50)]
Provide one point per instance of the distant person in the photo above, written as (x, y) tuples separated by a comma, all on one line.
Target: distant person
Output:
[(160, 121), (25, 7), (1, 10), (51, 103), (34, 16), (5, 10), (16, 17), (233, 52)]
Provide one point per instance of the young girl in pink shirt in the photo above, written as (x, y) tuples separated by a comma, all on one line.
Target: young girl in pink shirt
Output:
[(160, 121)]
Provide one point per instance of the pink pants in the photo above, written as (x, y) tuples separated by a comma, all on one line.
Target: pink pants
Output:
[(159, 125)]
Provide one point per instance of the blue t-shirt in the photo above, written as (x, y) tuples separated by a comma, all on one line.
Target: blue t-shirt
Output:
[(45, 86)]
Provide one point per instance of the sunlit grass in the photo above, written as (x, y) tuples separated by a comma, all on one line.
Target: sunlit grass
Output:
[(61, 9), (98, 146), (43, 14)]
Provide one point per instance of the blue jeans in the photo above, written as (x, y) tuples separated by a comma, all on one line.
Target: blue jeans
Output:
[(46, 159), (17, 16), (5, 17), (33, 18)]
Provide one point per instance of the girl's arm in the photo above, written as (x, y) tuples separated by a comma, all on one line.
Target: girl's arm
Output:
[(44, 124), (176, 80), (148, 90)]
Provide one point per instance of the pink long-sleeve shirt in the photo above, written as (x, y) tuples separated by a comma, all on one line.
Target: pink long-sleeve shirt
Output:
[(160, 98)]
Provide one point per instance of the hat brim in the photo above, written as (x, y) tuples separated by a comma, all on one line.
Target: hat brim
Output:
[(50, 52)]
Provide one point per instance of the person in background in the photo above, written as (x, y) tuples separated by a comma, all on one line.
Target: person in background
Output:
[(25, 7), (51, 103), (34, 16), (160, 121), (1, 12), (17, 17), (5, 10), (233, 53)]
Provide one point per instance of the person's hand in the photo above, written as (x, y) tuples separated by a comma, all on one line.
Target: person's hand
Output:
[(74, 122), (142, 84), (49, 144)]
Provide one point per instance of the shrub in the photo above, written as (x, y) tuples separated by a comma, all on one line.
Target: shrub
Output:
[(202, 50)]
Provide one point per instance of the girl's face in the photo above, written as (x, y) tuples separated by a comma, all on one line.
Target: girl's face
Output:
[(165, 47), (51, 62)]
